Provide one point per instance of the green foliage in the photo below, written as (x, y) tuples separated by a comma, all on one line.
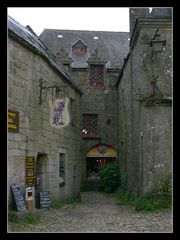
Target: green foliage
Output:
[(123, 195), (30, 218), (70, 200), (12, 217), (57, 204), (109, 177), (148, 202), (25, 218), (162, 185)]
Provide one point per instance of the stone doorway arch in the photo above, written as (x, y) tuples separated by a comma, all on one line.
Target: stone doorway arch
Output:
[(97, 156)]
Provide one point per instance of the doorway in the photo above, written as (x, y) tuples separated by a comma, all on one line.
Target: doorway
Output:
[(97, 156), (41, 175), (94, 166)]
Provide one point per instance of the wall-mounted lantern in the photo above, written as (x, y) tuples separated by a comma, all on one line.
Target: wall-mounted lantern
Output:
[(157, 43)]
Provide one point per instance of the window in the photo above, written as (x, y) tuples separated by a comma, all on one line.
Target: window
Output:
[(57, 94), (79, 48), (61, 169), (73, 112), (90, 125), (96, 75)]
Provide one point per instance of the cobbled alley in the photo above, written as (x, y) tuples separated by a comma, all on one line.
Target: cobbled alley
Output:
[(97, 212)]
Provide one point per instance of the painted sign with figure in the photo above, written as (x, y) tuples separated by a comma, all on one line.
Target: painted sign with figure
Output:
[(59, 113)]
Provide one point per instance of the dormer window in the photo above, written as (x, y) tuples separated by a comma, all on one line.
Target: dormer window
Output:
[(79, 48)]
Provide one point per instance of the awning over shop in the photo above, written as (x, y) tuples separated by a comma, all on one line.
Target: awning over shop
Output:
[(102, 150)]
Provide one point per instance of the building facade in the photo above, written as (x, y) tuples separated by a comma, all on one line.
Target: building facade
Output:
[(94, 58), (44, 124), (123, 115), (145, 104)]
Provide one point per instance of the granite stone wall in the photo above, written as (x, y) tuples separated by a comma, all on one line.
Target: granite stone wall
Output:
[(101, 101), (36, 135), (145, 110)]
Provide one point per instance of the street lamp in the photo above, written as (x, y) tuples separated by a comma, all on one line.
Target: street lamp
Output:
[(157, 43)]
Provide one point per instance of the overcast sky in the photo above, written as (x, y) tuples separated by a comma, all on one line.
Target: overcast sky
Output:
[(73, 18)]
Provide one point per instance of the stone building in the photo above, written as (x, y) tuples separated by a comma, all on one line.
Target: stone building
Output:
[(124, 114), (37, 146), (94, 58), (145, 104)]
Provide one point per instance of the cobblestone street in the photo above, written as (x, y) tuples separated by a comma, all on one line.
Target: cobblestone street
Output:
[(97, 212)]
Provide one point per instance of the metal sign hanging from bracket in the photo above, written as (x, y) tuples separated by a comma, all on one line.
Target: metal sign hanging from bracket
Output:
[(45, 87)]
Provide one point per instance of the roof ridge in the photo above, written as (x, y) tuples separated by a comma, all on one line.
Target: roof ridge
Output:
[(25, 36), (72, 30)]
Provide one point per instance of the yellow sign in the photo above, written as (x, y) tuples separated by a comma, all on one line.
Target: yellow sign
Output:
[(13, 121), (30, 171)]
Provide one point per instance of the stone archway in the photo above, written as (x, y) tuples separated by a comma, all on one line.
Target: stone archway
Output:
[(97, 156)]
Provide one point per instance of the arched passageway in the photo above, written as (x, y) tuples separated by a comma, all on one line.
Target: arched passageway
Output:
[(97, 156)]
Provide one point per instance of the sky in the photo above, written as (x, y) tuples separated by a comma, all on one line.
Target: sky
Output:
[(114, 19)]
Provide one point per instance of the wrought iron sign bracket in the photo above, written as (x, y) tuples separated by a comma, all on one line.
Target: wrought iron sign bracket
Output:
[(153, 98), (44, 87)]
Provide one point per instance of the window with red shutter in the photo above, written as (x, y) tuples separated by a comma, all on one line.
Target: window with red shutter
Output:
[(90, 125), (96, 75)]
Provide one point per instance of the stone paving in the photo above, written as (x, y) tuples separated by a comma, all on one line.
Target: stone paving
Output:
[(98, 212)]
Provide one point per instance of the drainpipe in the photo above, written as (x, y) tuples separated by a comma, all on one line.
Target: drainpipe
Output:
[(142, 164), (117, 111), (117, 122)]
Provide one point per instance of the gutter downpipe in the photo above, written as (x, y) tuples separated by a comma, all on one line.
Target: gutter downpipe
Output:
[(117, 115)]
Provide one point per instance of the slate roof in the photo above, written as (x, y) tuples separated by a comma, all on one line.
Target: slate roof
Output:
[(112, 47), (27, 37), (161, 12)]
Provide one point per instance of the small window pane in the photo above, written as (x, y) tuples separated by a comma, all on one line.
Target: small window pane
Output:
[(61, 169), (73, 112), (96, 75), (90, 125)]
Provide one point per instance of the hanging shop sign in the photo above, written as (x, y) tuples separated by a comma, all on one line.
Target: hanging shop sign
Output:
[(59, 113), (13, 121), (30, 171)]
